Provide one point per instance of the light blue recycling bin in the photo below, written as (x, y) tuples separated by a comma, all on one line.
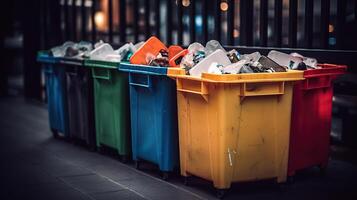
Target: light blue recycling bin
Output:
[(153, 110)]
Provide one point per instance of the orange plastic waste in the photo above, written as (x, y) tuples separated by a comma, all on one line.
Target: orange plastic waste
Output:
[(234, 127), (176, 60), (173, 50), (151, 46)]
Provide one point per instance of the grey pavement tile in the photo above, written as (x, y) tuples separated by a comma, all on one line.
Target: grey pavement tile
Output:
[(92, 184), (122, 195)]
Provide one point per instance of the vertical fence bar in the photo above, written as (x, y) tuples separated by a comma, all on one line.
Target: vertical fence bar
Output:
[(204, 21), (179, 23), (74, 19), (325, 18), (94, 28), (122, 21), (157, 18), (293, 23), (230, 22), (192, 21), (45, 27), (110, 20), (135, 9), (278, 10), (168, 22), (263, 23), (66, 20), (341, 14), (147, 19), (246, 23), (217, 20), (83, 20), (309, 15)]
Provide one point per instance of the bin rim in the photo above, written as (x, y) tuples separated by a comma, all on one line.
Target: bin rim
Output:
[(44, 57), (291, 75), (143, 69), (79, 61), (101, 64), (326, 70)]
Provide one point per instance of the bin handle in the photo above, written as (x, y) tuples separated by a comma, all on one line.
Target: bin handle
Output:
[(147, 85), (308, 86), (262, 89), (203, 89), (105, 77)]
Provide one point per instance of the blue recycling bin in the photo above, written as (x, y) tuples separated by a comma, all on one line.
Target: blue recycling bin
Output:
[(153, 110), (55, 80)]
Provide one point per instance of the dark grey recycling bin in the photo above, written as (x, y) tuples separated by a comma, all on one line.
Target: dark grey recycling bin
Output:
[(80, 101)]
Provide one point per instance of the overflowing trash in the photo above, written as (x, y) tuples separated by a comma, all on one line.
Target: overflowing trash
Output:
[(71, 49), (196, 59), (104, 51)]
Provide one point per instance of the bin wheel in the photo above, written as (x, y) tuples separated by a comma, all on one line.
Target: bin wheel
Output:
[(137, 164), (165, 176), (54, 133), (124, 159), (101, 150), (92, 148), (186, 180), (220, 193), (290, 179)]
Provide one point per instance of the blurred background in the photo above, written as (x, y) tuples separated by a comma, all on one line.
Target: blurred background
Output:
[(323, 29)]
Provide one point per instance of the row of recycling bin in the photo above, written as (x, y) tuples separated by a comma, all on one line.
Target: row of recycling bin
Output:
[(222, 128)]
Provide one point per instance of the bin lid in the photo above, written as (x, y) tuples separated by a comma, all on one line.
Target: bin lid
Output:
[(101, 64), (78, 61), (142, 69), (45, 57), (291, 75)]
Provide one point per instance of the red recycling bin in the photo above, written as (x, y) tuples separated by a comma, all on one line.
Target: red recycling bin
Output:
[(311, 118)]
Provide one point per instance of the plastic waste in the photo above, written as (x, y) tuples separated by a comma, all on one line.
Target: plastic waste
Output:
[(60, 51), (151, 46), (214, 68), (234, 68), (251, 57), (233, 56), (218, 56), (212, 46)]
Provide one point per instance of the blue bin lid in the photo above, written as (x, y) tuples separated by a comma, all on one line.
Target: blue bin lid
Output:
[(142, 69), (44, 57)]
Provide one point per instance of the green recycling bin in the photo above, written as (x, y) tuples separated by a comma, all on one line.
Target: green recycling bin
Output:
[(111, 106)]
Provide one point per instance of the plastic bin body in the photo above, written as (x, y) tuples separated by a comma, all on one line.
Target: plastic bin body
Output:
[(111, 100), (234, 128), (80, 100), (153, 115), (56, 93), (311, 118)]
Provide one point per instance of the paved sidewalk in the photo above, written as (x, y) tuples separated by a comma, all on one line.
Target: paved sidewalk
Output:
[(35, 166)]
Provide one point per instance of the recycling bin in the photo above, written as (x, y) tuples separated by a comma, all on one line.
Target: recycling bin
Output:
[(80, 100), (153, 111), (55, 80), (111, 106), (234, 127), (311, 118)]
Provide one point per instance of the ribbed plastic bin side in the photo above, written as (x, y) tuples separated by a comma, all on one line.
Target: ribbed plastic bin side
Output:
[(111, 103), (234, 127), (153, 115), (80, 101), (311, 118)]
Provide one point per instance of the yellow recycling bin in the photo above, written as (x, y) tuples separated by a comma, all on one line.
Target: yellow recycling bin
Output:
[(234, 127)]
